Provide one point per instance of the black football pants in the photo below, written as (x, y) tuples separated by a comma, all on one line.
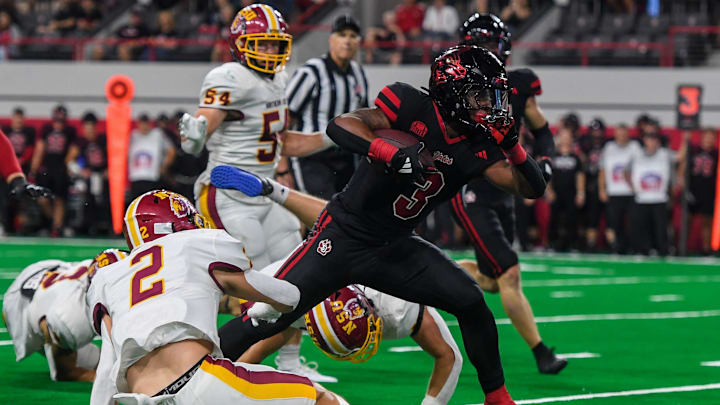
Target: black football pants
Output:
[(409, 268)]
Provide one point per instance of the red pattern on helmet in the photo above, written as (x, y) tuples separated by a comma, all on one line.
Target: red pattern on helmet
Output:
[(158, 213)]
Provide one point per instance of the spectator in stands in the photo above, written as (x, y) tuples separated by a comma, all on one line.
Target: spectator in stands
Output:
[(89, 18), (386, 42), (621, 6), (441, 21), (22, 138), (132, 34), (93, 159), (566, 193), (64, 21), (149, 157), (8, 31), (56, 147), (220, 52), (165, 39), (478, 6), (515, 14), (571, 121), (409, 17), (701, 162), (649, 174), (591, 145), (614, 189)]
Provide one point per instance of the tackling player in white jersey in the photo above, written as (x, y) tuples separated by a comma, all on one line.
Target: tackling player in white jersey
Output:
[(44, 311), (400, 318), (242, 118), (156, 311)]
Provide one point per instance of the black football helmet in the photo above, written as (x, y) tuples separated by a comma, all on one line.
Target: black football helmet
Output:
[(487, 31), (466, 75)]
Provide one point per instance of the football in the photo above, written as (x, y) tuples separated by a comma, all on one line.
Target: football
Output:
[(402, 139)]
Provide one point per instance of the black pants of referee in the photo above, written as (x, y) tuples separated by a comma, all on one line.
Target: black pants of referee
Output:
[(407, 267), (649, 228)]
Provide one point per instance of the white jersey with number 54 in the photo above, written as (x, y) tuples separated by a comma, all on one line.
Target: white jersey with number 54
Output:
[(257, 109), (163, 292)]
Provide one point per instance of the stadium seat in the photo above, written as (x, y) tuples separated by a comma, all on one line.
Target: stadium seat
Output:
[(617, 24)]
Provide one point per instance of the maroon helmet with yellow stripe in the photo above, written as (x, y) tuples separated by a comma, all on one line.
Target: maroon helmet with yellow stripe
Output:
[(255, 23), (159, 213), (345, 326), (105, 258)]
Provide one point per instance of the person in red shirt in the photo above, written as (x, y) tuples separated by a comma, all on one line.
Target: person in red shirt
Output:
[(409, 17), (12, 173)]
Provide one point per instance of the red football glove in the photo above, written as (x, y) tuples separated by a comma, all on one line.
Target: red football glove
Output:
[(503, 131)]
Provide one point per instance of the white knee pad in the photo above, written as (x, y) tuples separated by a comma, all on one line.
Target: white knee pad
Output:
[(279, 290), (448, 388)]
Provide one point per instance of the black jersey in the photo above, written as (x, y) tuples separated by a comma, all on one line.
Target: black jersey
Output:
[(565, 170), (523, 84), (381, 205)]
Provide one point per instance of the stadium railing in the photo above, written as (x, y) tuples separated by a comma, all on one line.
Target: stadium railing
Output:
[(423, 50)]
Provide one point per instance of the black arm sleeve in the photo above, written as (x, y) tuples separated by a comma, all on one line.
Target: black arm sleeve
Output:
[(534, 177), (544, 142), (347, 140)]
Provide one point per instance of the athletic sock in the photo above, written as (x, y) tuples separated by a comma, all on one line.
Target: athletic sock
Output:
[(288, 357)]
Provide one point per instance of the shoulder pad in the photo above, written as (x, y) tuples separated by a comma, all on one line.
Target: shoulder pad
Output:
[(525, 81)]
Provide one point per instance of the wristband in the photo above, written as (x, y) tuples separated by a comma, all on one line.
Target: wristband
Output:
[(381, 150), (516, 155)]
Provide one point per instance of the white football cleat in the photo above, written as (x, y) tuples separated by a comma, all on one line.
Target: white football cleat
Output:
[(306, 369)]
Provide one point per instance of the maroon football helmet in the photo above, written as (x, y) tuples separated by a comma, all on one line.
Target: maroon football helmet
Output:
[(105, 258), (159, 213), (345, 326), (255, 23)]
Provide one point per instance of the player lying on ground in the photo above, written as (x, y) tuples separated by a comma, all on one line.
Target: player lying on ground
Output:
[(156, 311), (44, 311), (367, 229), (400, 318)]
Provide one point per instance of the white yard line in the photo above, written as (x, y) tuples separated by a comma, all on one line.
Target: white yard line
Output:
[(566, 294), (3, 330), (585, 271), (666, 298), (621, 281), (405, 349), (604, 258), (710, 363), (610, 317), (665, 390), (581, 355), (6, 342)]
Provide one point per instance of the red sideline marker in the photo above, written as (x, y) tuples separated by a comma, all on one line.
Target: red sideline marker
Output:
[(715, 241), (119, 90)]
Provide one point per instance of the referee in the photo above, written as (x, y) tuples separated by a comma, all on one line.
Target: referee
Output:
[(320, 90)]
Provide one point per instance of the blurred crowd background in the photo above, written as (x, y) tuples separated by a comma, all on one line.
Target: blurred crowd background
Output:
[(69, 156), (66, 151)]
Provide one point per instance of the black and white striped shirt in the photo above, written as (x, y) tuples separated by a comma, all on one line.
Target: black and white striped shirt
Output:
[(319, 91)]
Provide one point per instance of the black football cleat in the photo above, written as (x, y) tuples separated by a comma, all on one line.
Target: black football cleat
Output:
[(549, 363)]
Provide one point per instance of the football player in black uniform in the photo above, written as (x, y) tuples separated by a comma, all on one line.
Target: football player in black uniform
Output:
[(487, 212), (367, 229)]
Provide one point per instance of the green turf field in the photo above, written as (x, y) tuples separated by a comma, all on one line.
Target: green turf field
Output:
[(636, 332)]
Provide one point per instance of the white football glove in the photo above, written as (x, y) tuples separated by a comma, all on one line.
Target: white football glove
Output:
[(193, 132), (263, 312)]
